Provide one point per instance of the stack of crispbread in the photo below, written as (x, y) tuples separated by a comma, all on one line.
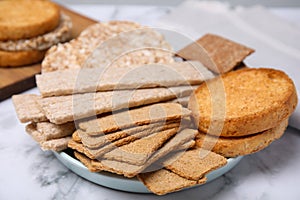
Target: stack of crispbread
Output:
[(74, 94), (28, 29), (243, 111)]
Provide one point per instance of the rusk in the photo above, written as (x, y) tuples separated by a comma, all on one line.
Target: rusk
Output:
[(243, 102), (239, 146), (21, 19), (20, 58)]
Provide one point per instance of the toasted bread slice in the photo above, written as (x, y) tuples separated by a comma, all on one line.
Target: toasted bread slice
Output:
[(238, 146), (243, 102), (20, 58), (22, 19)]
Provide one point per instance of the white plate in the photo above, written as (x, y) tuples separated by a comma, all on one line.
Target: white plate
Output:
[(125, 184)]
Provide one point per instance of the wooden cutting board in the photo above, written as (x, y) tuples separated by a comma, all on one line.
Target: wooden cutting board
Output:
[(16, 80)]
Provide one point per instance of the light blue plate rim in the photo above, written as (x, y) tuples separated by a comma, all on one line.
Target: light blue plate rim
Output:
[(122, 183)]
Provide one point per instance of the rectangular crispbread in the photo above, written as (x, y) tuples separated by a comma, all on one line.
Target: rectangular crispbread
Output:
[(54, 131), (202, 160), (97, 153), (217, 53), (140, 116), (58, 144), (139, 151), (74, 81), (100, 140), (163, 181), (87, 162), (174, 144), (63, 109), (27, 108), (123, 168)]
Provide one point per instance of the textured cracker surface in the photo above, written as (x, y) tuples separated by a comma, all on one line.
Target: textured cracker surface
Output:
[(27, 108), (63, 109), (194, 164), (74, 81), (139, 151), (217, 53), (57, 144), (163, 181), (144, 115), (78, 53), (53, 131), (96, 141)]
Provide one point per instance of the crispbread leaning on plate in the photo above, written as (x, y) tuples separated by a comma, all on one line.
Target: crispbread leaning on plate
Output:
[(118, 119), (28, 29)]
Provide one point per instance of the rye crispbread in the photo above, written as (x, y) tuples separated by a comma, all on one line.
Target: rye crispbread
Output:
[(54, 131), (21, 19), (27, 108), (87, 162), (217, 53), (99, 140), (243, 102), (194, 164), (20, 58), (57, 144), (63, 109), (61, 33), (160, 112), (110, 78), (163, 181), (99, 152), (140, 150), (183, 139), (239, 146)]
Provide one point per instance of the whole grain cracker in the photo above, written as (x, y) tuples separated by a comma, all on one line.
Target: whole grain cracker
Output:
[(86, 162), (97, 141), (217, 53), (139, 151), (54, 131), (27, 108), (57, 144), (160, 112), (122, 168), (110, 78), (63, 109), (163, 181), (184, 137), (194, 164)]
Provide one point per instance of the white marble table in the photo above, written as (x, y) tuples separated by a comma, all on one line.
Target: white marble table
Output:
[(29, 173)]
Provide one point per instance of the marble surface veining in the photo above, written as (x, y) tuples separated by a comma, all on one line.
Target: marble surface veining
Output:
[(27, 172)]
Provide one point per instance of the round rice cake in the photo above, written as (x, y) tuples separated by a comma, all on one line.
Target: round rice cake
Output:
[(20, 58), (22, 19), (243, 102), (238, 146)]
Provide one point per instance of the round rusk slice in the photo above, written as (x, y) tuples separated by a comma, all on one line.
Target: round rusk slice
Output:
[(238, 146), (243, 102), (20, 58), (22, 19)]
